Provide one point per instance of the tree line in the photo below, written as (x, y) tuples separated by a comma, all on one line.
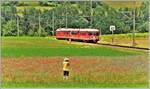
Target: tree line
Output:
[(42, 18)]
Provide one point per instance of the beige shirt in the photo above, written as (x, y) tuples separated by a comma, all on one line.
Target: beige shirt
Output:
[(66, 66)]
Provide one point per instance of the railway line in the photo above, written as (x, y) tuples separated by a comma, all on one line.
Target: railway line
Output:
[(116, 46), (121, 46)]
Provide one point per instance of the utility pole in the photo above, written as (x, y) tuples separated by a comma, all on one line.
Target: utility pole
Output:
[(133, 33), (112, 29), (149, 32), (112, 37), (91, 14), (53, 22), (39, 32), (66, 15), (17, 25)]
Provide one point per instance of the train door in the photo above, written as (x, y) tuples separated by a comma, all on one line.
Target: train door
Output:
[(67, 34)]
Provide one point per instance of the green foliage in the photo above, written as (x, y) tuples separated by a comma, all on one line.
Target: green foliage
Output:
[(9, 28), (78, 14), (43, 32), (31, 32), (143, 27)]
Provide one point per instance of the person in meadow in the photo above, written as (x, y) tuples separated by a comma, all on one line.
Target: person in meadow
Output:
[(66, 65)]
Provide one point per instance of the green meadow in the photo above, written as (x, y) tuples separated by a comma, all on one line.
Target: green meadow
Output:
[(37, 62), (30, 47)]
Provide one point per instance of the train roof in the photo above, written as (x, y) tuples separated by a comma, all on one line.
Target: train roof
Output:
[(77, 29)]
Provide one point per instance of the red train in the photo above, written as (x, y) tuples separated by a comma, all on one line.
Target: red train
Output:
[(86, 35)]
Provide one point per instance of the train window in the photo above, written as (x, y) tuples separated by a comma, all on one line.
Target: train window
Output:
[(90, 33), (82, 33), (74, 33), (97, 34)]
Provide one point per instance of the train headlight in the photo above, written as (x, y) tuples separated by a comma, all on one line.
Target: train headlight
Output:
[(94, 37)]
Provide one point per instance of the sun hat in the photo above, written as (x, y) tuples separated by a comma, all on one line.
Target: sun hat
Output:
[(66, 59)]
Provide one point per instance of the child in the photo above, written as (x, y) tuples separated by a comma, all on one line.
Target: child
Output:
[(66, 68)]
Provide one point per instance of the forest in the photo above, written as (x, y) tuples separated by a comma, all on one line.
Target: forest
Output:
[(42, 18)]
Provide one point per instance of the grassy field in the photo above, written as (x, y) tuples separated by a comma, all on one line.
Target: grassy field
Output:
[(37, 62), (141, 39), (27, 47)]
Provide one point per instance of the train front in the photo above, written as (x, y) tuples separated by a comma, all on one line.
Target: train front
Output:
[(94, 35)]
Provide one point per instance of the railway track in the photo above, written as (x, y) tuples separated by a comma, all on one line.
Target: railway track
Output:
[(131, 47), (118, 46)]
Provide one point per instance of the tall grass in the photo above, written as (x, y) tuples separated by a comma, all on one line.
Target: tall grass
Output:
[(84, 72)]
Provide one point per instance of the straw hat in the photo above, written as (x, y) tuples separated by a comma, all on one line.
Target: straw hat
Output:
[(66, 59)]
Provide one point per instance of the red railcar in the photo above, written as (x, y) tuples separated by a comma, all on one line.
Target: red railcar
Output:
[(87, 35)]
